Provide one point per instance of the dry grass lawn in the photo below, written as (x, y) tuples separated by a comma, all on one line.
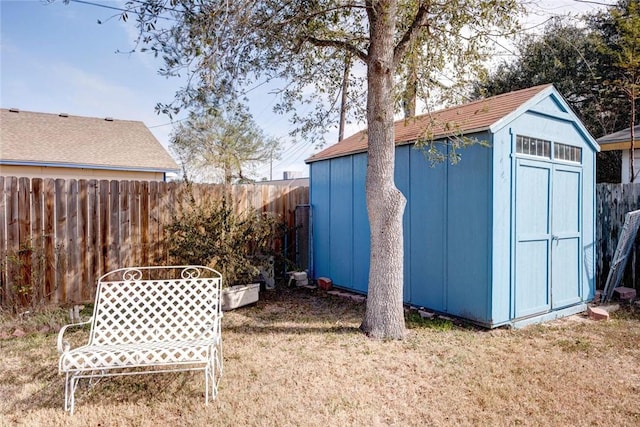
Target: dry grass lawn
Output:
[(298, 359)]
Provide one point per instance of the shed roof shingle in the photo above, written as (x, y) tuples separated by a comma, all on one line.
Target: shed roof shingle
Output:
[(462, 119), (41, 138)]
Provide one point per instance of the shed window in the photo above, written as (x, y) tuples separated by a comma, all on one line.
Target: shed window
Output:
[(567, 152), (533, 146)]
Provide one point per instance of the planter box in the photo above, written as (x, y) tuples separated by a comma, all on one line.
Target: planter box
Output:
[(237, 296)]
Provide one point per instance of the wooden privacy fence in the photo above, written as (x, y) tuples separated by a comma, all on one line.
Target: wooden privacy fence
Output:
[(613, 201), (58, 236)]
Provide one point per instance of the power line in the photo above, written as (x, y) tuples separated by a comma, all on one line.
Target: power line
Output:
[(599, 3), (167, 124), (104, 6), (98, 5), (164, 7), (293, 153)]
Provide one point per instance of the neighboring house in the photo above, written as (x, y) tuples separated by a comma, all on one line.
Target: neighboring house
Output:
[(621, 140), (63, 146), (506, 236)]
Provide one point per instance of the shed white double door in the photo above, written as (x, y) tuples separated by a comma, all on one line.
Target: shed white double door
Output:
[(547, 226)]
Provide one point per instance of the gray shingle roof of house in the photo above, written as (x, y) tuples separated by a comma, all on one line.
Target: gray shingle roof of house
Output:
[(619, 140), (73, 141)]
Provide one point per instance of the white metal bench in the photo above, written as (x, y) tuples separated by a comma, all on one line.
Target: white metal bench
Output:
[(149, 320)]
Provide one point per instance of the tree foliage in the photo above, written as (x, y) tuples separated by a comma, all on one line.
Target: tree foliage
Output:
[(617, 38), (565, 55), (300, 47), (222, 147), (619, 42), (589, 64)]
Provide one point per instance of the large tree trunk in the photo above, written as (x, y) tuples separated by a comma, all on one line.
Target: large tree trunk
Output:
[(384, 317)]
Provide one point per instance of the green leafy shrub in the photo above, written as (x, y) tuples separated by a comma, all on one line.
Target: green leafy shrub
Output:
[(215, 236)]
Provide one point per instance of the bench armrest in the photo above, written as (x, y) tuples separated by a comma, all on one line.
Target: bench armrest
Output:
[(63, 345)]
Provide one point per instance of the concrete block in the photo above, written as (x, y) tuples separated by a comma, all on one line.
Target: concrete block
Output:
[(597, 313), (426, 314), (299, 276), (624, 293)]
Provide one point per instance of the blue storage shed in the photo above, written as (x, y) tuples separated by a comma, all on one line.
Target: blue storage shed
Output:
[(506, 236)]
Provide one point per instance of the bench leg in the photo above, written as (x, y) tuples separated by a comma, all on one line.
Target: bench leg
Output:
[(66, 392), (206, 384), (213, 373), (219, 359), (70, 384)]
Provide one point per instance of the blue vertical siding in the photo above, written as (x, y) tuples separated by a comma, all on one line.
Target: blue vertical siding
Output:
[(321, 207), (361, 232), (340, 226), (341, 218), (427, 213), (468, 227), (403, 181)]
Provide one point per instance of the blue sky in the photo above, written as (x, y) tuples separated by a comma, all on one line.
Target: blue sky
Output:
[(56, 58)]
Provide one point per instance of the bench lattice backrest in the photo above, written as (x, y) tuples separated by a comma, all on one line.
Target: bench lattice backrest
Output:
[(156, 304)]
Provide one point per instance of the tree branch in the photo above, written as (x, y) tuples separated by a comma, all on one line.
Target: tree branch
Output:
[(338, 44), (420, 20)]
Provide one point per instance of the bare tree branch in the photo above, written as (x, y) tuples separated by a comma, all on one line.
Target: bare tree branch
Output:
[(420, 20), (338, 44)]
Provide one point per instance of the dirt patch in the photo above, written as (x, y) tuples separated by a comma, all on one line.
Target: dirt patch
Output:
[(298, 358)]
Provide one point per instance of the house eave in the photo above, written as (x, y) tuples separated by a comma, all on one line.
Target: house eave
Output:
[(87, 166), (613, 146)]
